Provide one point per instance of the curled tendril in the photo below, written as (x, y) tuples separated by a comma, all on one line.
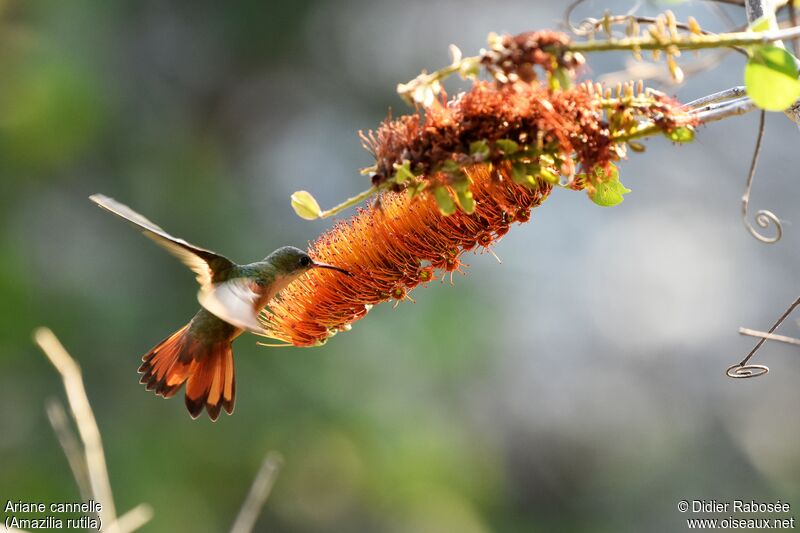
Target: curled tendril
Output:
[(740, 371), (763, 217)]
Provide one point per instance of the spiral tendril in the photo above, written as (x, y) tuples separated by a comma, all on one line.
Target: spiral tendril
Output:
[(740, 371), (763, 217)]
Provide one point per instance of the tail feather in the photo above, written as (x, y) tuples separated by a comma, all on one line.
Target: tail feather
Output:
[(207, 369)]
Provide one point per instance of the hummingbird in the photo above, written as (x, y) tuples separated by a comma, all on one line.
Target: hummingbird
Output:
[(231, 297)]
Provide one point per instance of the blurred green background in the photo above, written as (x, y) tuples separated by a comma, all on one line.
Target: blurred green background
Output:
[(577, 386)]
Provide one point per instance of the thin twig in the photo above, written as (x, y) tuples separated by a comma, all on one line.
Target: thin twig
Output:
[(357, 199), (738, 107), (85, 421), (70, 445), (739, 3), (590, 25), (721, 105), (684, 42), (93, 461), (259, 492), (763, 217), (769, 336), (727, 94), (770, 331), (135, 518)]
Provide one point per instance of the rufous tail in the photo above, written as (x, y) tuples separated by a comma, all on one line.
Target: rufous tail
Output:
[(207, 370)]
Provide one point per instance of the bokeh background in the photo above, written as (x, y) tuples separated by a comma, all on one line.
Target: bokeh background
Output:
[(579, 385)]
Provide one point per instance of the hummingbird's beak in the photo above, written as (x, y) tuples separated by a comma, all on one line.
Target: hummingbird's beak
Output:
[(331, 267)]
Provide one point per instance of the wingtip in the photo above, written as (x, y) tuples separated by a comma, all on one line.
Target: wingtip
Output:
[(99, 198)]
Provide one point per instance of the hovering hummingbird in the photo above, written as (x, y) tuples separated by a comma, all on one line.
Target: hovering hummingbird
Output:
[(231, 297)]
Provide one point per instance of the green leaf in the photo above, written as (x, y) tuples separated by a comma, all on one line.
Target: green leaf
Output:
[(479, 149), (461, 185), (450, 167), (681, 134), (507, 146), (549, 176), (609, 191), (761, 23), (403, 172), (521, 173), (305, 205), (415, 188), (560, 79), (770, 78), (446, 204), (465, 200), (469, 69)]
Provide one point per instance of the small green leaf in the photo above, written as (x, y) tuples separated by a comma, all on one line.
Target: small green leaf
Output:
[(525, 173), (461, 185), (450, 167), (446, 204), (770, 78), (305, 205), (681, 134), (560, 79), (415, 188), (548, 175), (761, 23), (521, 173), (609, 193), (479, 149), (469, 70), (507, 146), (465, 200), (403, 172)]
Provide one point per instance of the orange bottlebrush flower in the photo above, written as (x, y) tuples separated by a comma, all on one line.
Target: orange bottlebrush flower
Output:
[(471, 166), (390, 248)]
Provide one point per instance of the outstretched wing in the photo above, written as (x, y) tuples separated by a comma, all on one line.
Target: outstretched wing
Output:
[(237, 301), (206, 264)]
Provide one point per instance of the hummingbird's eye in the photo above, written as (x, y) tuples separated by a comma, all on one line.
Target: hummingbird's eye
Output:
[(305, 261)]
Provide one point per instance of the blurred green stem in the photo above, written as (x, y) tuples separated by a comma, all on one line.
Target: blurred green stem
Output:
[(357, 199)]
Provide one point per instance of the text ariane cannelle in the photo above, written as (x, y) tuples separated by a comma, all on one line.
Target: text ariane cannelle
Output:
[(89, 510)]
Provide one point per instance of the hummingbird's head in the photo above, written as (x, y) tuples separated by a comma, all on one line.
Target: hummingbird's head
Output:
[(291, 261)]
